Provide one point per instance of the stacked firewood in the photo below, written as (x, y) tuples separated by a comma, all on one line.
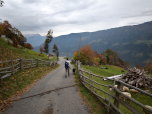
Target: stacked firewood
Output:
[(137, 77)]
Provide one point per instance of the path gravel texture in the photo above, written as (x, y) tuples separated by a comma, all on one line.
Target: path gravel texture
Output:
[(64, 101)]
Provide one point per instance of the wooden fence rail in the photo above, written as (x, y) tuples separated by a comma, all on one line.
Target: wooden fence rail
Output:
[(89, 83), (14, 66)]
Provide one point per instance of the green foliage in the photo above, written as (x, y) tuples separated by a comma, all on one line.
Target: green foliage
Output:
[(82, 57)]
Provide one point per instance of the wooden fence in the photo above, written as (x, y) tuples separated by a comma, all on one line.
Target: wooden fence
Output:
[(113, 107), (12, 66)]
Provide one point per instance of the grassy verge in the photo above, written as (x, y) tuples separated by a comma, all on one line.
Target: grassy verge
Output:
[(109, 72), (96, 107), (7, 51), (14, 84)]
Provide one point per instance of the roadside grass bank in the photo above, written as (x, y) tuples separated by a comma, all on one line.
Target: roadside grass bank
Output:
[(7, 52), (144, 99), (14, 84), (95, 106)]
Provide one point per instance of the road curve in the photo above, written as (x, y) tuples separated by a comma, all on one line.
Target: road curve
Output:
[(64, 101)]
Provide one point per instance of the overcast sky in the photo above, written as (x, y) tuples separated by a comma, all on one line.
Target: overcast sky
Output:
[(73, 16)]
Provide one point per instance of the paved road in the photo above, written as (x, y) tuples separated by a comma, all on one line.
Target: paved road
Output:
[(65, 101)]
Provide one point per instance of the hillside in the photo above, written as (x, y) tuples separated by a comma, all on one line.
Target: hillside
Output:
[(133, 43), (7, 52)]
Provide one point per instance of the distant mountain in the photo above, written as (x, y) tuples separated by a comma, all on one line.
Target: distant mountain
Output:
[(133, 43), (35, 39)]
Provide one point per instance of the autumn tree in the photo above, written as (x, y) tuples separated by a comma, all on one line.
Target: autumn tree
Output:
[(138, 66), (82, 57), (41, 50), (89, 54), (148, 66), (49, 38), (56, 50), (1, 3), (15, 41), (29, 46)]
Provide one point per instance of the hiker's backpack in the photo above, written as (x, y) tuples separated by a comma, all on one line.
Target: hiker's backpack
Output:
[(66, 65)]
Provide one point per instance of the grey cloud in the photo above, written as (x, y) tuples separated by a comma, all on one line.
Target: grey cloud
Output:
[(65, 16)]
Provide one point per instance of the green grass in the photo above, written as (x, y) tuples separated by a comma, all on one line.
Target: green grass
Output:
[(109, 72), (7, 52), (19, 80), (95, 105)]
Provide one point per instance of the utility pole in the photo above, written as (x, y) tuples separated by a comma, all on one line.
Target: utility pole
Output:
[(67, 51), (79, 48)]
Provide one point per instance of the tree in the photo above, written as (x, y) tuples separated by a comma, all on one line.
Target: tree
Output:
[(82, 57), (1, 3), (15, 41), (89, 54), (41, 50), (29, 46), (49, 38), (138, 66), (148, 66), (56, 50)]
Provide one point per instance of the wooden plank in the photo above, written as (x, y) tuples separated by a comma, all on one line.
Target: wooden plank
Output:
[(133, 100), (130, 86), (16, 69), (129, 107), (5, 62), (116, 109), (98, 88), (7, 75), (5, 68), (16, 64), (16, 60), (5, 72), (25, 67), (95, 81), (92, 74)]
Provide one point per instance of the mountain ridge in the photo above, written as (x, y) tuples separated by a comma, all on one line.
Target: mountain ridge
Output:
[(133, 43)]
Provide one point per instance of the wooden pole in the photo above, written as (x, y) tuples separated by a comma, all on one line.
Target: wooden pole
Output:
[(93, 82), (79, 48), (37, 62), (21, 64), (120, 87), (12, 66), (111, 95), (89, 79)]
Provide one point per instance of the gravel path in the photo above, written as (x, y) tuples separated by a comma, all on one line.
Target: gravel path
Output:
[(64, 101)]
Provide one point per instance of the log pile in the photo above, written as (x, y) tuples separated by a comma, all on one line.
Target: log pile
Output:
[(137, 78)]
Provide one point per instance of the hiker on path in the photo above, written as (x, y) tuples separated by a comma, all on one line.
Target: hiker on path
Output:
[(67, 66)]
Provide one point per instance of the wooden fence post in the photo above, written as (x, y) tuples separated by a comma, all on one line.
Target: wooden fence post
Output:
[(89, 79), (37, 62), (118, 96), (21, 64), (31, 63), (111, 95), (12, 66), (92, 81)]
